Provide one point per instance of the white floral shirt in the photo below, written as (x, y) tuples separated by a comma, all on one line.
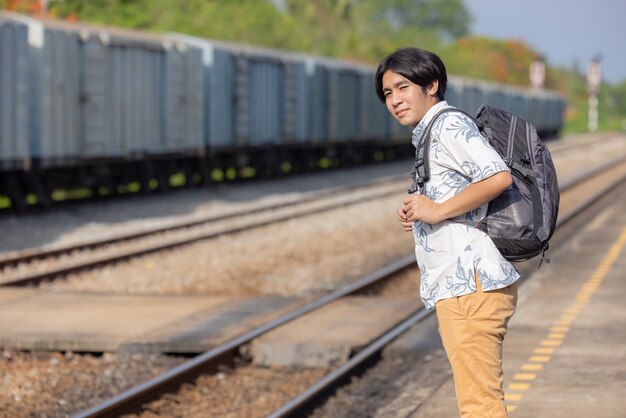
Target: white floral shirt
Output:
[(448, 253)]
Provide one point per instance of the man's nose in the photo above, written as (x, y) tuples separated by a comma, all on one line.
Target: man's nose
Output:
[(395, 99)]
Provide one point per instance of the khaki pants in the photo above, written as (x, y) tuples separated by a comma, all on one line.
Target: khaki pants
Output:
[(472, 328)]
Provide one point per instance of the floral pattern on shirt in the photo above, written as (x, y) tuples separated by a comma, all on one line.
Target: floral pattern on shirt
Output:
[(452, 252)]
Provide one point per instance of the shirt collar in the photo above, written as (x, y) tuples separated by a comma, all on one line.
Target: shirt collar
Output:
[(417, 131)]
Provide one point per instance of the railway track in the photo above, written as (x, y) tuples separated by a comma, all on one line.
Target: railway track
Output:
[(30, 268), (34, 267), (581, 143), (578, 196)]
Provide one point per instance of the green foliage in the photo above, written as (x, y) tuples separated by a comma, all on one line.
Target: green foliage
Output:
[(611, 102), (612, 113), (502, 61), (572, 86), (444, 17), (248, 21), (362, 30), (369, 29)]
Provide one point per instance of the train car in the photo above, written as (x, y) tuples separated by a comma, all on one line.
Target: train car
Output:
[(255, 100), (89, 111), (543, 108), (14, 97), (101, 106), (287, 111)]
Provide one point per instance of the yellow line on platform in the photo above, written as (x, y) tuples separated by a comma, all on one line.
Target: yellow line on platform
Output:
[(531, 366), (513, 397), (551, 343), (560, 327), (544, 350), (519, 386), (524, 376)]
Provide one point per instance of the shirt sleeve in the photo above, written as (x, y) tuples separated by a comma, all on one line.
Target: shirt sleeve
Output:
[(465, 150)]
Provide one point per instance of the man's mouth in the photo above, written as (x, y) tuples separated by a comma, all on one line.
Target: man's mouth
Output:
[(401, 113)]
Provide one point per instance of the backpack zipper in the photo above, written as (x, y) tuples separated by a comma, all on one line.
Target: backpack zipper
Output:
[(531, 150), (509, 145)]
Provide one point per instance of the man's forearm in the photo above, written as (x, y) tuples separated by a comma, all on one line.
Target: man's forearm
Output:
[(474, 196)]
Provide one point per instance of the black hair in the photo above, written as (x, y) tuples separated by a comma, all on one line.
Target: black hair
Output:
[(417, 65)]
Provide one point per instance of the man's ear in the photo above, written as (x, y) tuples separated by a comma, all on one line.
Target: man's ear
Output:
[(433, 87)]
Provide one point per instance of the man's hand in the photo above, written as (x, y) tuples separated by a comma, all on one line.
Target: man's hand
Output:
[(418, 207), (406, 224)]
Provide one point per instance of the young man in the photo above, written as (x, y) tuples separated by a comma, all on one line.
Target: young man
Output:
[(463, 275)]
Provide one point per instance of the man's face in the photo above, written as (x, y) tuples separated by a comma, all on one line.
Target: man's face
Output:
[(406, 101)]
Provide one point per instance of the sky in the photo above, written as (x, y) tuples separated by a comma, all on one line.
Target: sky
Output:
[(563, 31)]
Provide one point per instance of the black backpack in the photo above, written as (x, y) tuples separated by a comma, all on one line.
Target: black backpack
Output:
[(521, 220)]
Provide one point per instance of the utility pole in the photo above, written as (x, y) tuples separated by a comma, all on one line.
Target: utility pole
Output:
[(594, 79)]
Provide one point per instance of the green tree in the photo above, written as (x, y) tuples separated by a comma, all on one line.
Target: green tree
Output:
[(612, 106), (479, 57), (251, 21), (325, 25), (445, 17), (369, 29)]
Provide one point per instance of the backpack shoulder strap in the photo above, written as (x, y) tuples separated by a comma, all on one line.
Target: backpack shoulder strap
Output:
[(421, 171)]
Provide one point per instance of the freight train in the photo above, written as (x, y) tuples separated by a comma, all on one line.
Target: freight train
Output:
[(89, 111)]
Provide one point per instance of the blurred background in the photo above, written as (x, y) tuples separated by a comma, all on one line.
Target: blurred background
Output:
[(495, 41)]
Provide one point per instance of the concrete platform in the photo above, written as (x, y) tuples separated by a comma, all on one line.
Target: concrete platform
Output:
[(97, 322), (33, 319), (565, 353), (327, 337)]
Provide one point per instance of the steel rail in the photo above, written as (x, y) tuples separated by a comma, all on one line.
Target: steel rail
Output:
[(131, 400), (29, 255), (49, 275), (328, 383)]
